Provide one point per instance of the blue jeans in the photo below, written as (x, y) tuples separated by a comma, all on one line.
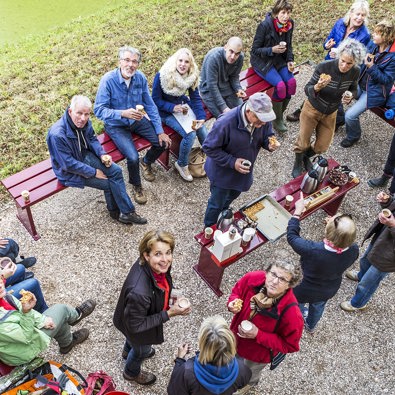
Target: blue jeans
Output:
[(114, 187), (313, 313), (17, 282), (122, 137), (136, 355), (369, 278), (187, 138), (351, 117), (219, 200), (231, 101), (11, 250)]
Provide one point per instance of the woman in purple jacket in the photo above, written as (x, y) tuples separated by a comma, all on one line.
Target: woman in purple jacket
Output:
[(177, 76)]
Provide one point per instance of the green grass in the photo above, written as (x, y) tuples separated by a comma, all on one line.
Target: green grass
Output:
[(39, 76)]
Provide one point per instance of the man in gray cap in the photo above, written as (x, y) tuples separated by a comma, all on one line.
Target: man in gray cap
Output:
[(232, 147)]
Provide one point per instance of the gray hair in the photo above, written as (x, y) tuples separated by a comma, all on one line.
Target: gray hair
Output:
[(132, 50), (357, 5), (353, 48), (80, 100), (294, 269)]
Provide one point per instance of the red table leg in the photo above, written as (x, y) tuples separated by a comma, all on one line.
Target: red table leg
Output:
[(26, 217)]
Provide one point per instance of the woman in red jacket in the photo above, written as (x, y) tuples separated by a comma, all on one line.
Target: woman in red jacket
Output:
[(260, 297)]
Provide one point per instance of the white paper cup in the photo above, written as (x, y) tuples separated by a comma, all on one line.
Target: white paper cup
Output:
[(26, 195), (246, 325), (208, 233), (184, 303), (246, 163), (288, 200), (140, 107), (387, 213), (283, 44), (248, 234), (107, 160)]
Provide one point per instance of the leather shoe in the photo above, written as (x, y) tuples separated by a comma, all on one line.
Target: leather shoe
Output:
[(29, 275), (78, 337), (132, 218), (28, 262), (114, 214), (143, 378), (346, 143), (84, 309)]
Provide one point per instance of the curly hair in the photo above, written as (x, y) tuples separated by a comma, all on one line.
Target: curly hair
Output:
[(386, 29), (294, 269), (353, 48)]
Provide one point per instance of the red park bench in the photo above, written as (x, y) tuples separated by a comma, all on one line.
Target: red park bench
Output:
[(41, 182)]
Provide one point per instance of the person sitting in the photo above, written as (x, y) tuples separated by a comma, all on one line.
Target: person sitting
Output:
[(375, 81), (79, 160), (10, 248), (120, 93), (325, 91), (379, 258), (323, 263), (215, 369), (220, 86), (16, 279), (25, 333), (272, 57), (178, 75)]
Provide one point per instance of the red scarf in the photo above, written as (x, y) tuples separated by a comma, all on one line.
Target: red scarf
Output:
[(6, 305), (330, 244), (282, 28), (162, 283)]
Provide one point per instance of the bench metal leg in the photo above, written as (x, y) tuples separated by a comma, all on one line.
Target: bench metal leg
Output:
[(26, 217), (209, 271), (333, 206), (164, 159)]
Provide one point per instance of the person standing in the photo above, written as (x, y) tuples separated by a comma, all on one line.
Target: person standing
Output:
[(120, 92), (220, 86), (232, 147)]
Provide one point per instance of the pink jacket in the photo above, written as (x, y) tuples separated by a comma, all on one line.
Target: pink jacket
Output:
[(288, 334)]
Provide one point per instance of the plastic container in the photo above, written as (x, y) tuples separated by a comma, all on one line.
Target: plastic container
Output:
[(390, 114)]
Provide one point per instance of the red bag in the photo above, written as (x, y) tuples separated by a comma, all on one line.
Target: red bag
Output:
[(99, 383)]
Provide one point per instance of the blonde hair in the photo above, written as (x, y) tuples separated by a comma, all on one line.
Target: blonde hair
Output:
[(217, 343), (341, 231), (357, 5), (152, 237)]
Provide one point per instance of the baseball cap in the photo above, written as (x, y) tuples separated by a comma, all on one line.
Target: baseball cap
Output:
[(261, 105)]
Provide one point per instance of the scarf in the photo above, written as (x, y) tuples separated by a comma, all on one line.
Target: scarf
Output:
[(331, 245), (162, 283), (79, 132), (260, 303), (280, 27), (216, 379), (175, 84)]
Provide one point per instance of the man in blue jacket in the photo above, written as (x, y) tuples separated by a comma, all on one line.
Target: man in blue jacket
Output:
[(232, 147), (120, 93), (78, 160)]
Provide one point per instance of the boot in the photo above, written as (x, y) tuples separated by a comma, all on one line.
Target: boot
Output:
[(379, 182), (309, 152), (278, 123), (298, 165), (294, 116)]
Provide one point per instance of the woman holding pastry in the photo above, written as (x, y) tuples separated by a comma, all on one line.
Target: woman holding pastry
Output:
[(375, 81), (260, 301), (143, 305), (178, 76), (333, 82), (323, 262), (272, 57)]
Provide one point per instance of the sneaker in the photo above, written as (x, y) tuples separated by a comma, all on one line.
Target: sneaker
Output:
[(148, 174), (347, 306), (139, 195), (184, 172), (294, 117), (352, 275), (143, 378), (28, 262), (114, 214), (29, 275), (308, 329), (150, 355), (346, 143), (78, 337), (132, 218), (84, 309)]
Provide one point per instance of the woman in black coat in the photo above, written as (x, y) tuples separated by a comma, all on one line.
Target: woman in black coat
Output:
[(143, 305), (272, 57)]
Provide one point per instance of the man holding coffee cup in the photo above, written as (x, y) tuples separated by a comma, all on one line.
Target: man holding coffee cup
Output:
[(232, 147), (79, 160)]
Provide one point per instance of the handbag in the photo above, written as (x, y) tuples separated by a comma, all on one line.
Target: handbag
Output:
[(197, 159), (275, 360)]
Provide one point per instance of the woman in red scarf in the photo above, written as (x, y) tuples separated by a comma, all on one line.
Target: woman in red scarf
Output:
[(272, 57)]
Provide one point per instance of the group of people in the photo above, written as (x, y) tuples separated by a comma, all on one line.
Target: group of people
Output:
[(270, 307)]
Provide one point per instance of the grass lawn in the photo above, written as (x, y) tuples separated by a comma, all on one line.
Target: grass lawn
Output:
[(39, 76)]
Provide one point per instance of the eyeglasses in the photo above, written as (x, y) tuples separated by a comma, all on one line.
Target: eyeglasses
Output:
[(132, 61), (337, 219), (280, 279)]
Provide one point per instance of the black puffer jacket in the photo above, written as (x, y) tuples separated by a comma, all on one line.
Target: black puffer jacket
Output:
[(139, 314), (266, 37), (382, 254)]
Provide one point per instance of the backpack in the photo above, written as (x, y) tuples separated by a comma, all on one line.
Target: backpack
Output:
[(99, 383)]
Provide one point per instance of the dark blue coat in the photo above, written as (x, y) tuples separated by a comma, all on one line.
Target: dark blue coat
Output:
[(66, 157), (377, 80), (339, 30), (166, 103), (229, 140)]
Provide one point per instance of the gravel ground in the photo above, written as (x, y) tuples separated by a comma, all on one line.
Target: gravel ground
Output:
[(82, 253)]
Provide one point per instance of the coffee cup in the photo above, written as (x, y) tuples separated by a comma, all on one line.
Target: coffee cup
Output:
[(140, 108), (347, 95), (4, 262), (246, 325), (288, 200), (248, 234), (208, 233), (26, 195), (283, 44), (387, 213), (184, 110), (351, 175), (246, 163), (106, 160), (184, 303), (174, 295)]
